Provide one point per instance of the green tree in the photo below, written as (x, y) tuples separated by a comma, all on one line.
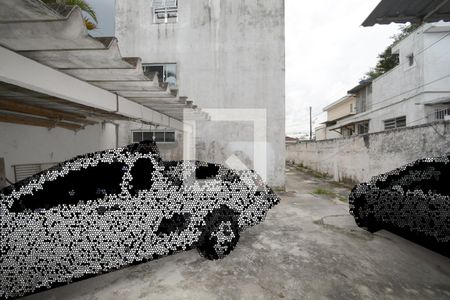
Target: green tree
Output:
[(84, 6), (388, 60)]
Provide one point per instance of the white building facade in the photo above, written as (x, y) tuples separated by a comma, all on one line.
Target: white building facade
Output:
[(337, 111), (222, 55), (415, 92)]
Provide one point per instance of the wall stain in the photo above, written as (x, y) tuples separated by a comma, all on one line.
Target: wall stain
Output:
[(367, 141)]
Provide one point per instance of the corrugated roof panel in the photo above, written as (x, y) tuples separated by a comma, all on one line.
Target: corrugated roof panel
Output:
[(414, 11), (17, 10), (83, 58), (39, 32), (54, 34)]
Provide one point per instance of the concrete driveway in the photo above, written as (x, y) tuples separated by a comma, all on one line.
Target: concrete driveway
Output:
[(308, 248)]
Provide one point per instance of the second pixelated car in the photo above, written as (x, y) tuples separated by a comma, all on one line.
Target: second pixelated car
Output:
[(105, 210), (413, 200)]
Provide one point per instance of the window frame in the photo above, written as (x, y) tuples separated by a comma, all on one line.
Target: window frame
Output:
[(365, 125), (393, 123), (166, 10), (441, 112), (166, 131), (164, 72)]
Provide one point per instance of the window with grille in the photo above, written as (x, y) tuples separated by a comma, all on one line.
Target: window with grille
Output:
[(165, 11), (363, 127), (441, 113), (159, 136), (26, 170), (166, 72), (395, 123)]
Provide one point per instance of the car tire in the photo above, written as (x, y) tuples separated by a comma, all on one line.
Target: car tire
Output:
[(368, 222), (360, 210), (220, 234)]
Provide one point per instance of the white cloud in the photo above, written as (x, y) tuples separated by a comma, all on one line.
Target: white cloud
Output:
[(327, 52)]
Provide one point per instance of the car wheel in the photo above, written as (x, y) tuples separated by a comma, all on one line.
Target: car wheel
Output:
[(364, 218), (220, 234), (367, 221)]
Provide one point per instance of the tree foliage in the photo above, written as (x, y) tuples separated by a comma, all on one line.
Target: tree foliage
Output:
[(90, 23), (388, 60)]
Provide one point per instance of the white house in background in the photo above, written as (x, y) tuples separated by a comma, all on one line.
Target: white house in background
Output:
[(291, 140), (223, 55), (320, 132), (337, 111), (415, 92)]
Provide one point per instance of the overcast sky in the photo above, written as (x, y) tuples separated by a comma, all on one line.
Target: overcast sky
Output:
[(104, 9), (327, 52)]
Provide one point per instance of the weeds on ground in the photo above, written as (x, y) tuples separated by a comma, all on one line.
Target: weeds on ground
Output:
[(342, 199), (321, 191), (312, 172), (325, 192), (345, 183)]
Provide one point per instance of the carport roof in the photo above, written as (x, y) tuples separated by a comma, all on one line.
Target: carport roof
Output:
[(56, 37), (414, 11), (349, 122)]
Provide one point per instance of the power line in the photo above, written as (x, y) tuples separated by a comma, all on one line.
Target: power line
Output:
[(398, 95), (318, 114), (426, 48), (408, 91), (404, 99), (418, 53), (411, 90)]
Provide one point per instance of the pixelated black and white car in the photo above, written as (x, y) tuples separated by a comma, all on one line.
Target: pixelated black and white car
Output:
[(414, 199), (108, 209)]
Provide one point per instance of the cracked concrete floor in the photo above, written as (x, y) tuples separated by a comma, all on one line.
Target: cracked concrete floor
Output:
[(308, 248)]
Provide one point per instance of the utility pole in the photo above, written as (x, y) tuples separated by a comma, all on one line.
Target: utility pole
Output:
[(310, 123)]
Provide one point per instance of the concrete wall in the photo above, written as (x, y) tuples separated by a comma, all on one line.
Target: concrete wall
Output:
[(22, 144), (361, 157), (229, 54)]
